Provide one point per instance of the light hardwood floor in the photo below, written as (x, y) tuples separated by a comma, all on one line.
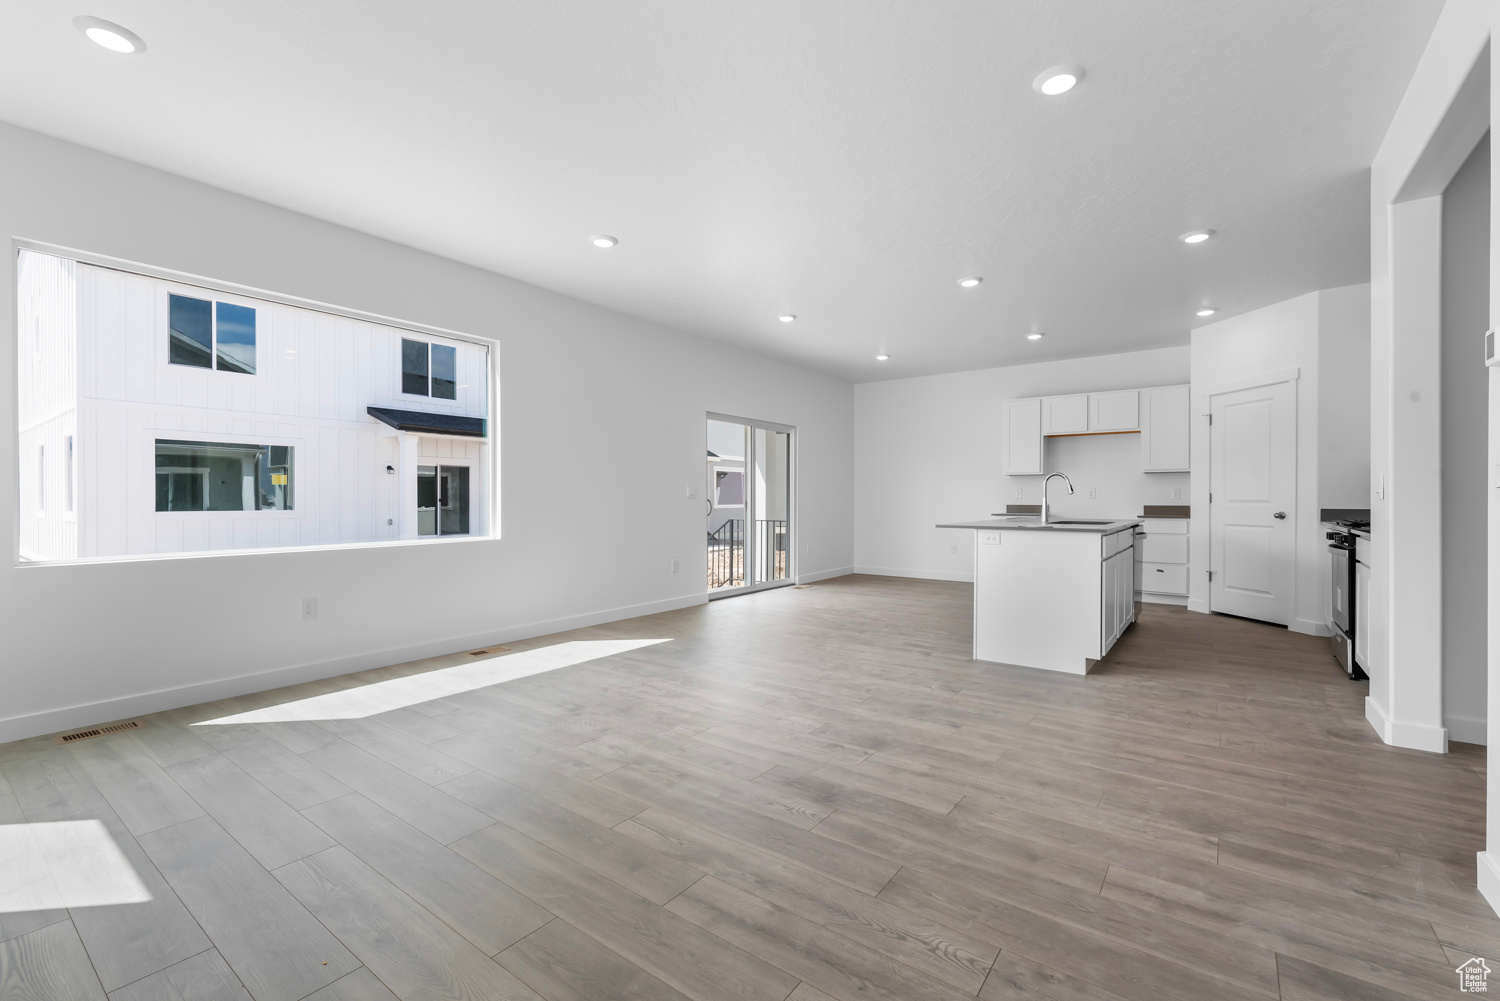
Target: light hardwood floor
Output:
[(803, 794)]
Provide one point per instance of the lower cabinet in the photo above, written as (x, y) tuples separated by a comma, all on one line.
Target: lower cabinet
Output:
[(1118, 597)]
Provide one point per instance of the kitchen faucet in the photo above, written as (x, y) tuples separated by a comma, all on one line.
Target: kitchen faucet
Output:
[(1044, 491)]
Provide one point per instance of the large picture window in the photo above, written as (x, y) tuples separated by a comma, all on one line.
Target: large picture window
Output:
[(222, 476), (161, 416)]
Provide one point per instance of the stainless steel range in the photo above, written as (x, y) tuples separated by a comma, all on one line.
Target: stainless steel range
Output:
[(1341, 548)]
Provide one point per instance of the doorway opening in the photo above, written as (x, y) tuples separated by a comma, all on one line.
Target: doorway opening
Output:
[(748, 505)]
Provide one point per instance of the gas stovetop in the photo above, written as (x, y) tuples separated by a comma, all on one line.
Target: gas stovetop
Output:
[(1353, 526)]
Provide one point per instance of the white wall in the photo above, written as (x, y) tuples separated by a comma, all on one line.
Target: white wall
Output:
[(928, 450), (1282, 337), (1465, 403), (581, 388), (1344, 397)]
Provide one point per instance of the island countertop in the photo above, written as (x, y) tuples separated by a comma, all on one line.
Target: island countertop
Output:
[(1033, 525)]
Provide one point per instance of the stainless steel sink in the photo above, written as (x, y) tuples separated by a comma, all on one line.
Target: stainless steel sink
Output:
[(1079, 522)]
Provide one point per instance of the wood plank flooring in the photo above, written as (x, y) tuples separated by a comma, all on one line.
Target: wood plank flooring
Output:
[(802, 794)]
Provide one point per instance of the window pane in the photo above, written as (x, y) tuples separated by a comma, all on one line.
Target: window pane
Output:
[(222, 476), (236, 342), (427, 494), (453, 503), (444, 372), (729, 487), (191, 337), (414, 367)]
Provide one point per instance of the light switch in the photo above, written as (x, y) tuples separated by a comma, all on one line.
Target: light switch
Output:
[(989, 538), (692, 493)]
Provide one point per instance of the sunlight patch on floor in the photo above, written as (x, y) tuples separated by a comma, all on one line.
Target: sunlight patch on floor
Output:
[(72, 863), (398, 693)]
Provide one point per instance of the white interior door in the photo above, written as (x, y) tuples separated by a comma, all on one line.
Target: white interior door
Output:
[(1252, 502)]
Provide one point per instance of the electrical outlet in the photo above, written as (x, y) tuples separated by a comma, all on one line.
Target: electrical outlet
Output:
[(1177, 493), (674, 566), (953, 549), (309, 609), (1093, 493), (1018, 493)]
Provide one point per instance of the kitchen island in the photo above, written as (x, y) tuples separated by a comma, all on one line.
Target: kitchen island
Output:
[(1052, 595)]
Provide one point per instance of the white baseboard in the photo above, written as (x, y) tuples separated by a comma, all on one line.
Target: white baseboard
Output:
[(1467, 729), (1161, 599), (108, 710), (808, 578), (1198, 605), (1417, 736), (966, 576), (1489, 879), (1309, 627)]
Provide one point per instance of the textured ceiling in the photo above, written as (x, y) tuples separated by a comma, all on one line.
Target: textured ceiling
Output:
[(843, 160)]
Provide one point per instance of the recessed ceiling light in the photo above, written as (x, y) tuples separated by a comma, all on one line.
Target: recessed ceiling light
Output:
[(1207, 311), (109, 35), (603, 242), (1058, 80), (1196, 236), (787, 317), (1034, 336), (969, 282), (882, 357)]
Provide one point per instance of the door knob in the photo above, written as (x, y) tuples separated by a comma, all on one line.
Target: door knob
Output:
[(1279, 516)]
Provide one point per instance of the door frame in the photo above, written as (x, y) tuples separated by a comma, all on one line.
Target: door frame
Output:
[(1200, 533), (751, 532), (1206, 394)]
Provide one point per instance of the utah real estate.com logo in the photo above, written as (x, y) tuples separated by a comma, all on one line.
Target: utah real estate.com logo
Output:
[(1472, 976)]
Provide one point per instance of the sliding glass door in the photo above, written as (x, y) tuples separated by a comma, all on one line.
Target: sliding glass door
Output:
[(748, 505)]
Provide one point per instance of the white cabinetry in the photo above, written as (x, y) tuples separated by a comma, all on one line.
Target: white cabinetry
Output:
[(1117, 591), (1023, 437), (1065, 414), (1160, 415), (1163, 566), (1164, 429), (1119, 411)]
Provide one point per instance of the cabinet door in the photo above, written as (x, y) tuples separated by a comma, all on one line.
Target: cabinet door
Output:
[(1065, 414), (1127, 588), (1361, 615), (1023, 437), (1165, 429), (1120, 411), (1109, 610)]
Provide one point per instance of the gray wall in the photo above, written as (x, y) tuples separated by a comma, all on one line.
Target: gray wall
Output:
[(1465, 417)]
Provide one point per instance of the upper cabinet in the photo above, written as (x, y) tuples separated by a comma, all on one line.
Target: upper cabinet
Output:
[(1119, 411), (1065, 414), (1164, 429), (1023, 437), (1159, 414)]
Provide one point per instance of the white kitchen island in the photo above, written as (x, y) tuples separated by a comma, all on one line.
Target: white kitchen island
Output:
[(1054, 596)]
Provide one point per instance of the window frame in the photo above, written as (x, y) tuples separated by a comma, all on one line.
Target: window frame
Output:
[(213, 331), (441, 401), (210, 438)]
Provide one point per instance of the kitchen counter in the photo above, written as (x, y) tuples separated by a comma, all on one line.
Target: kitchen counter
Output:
[(1061, 525), (1053, 596)]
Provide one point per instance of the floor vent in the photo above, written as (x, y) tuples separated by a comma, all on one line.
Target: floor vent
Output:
[(800, 587), (96, 731), (492, 649)]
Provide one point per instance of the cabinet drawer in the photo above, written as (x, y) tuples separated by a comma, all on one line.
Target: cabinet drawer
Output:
[(1164, 578), (1163, 548), (1118, 542), (1164, 526), (1363, 550)]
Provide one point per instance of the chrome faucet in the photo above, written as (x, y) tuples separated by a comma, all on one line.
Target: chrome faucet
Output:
[(1044, 491)]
